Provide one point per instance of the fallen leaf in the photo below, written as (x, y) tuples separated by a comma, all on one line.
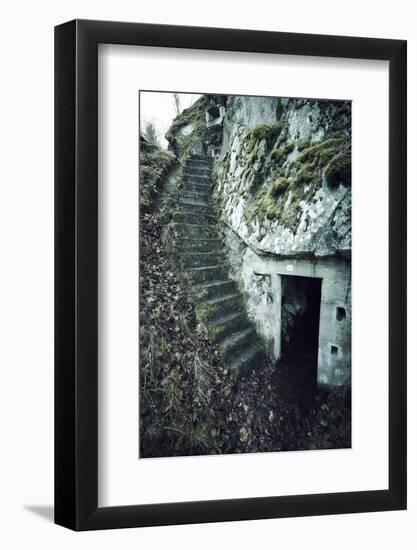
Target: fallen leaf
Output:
[(243, 434)]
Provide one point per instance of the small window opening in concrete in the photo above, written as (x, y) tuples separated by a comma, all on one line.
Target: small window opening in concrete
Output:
[(334, 350), (213, 113), (340, 313)]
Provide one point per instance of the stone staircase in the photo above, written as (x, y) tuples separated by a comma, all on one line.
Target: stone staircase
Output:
[(219, 303)]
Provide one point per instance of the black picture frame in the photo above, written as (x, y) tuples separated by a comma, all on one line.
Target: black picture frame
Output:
[(76, 272)]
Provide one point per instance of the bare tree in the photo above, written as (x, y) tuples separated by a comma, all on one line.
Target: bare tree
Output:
[(150, 133), (177, 103)]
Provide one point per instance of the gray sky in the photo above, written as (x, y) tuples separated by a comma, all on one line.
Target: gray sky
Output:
[(158, 107)]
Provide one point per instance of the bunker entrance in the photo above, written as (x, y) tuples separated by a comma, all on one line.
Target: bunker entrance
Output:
[(300, 323)]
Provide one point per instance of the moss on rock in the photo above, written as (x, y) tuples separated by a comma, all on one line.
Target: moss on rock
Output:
[(279, 198), (275, 174), (195, 116), (154, 164)]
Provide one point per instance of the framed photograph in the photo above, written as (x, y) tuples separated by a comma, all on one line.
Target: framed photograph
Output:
[(230, 338)]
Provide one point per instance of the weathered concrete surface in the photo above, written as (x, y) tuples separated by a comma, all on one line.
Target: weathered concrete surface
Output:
[(259, 277)]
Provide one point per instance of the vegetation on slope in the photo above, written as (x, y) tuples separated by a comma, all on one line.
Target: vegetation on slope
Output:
[(154, 163), (195, 118), (190, 403)]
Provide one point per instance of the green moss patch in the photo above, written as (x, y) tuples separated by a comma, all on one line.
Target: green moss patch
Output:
[(271, 203), (279, 199), (267, 132), (272, 185)]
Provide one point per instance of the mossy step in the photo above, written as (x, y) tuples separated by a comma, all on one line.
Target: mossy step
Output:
[(194, 202), (198, 259), (207, 273), (250, 358), (196, 156), (198, 168), (196, 180), (222, 299), (203, 179), (220, 306), (187, 205), (236, 342), (194, 217), (199, 176), (227, 325), (200, 196), (195, 187), (185, 230), (218, 288), (206, 211), (198, 244), (204, 185), (186, 195), (198, 160), (201, 173)]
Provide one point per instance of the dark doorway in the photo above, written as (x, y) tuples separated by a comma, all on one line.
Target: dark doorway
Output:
[(300, 324)]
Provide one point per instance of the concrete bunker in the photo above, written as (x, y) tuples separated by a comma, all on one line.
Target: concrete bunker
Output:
[(276, 288)]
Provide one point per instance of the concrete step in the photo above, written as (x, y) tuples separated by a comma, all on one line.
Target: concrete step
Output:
[(223, 305), (205, 183), (198, 259), (194, 230), (198, 165), (237, 342), (226, 325), (200, 196), (198, 176), (202, 179), (202, 169), (249, 359), (205, 274), (196, 156), (218, 288), (194, 217), (196, 188), (198, 244), (189, 205)]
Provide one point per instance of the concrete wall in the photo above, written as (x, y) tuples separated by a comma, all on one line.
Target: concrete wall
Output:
[(260, 279)]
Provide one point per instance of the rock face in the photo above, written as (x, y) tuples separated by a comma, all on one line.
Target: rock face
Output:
[(283, 179)]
